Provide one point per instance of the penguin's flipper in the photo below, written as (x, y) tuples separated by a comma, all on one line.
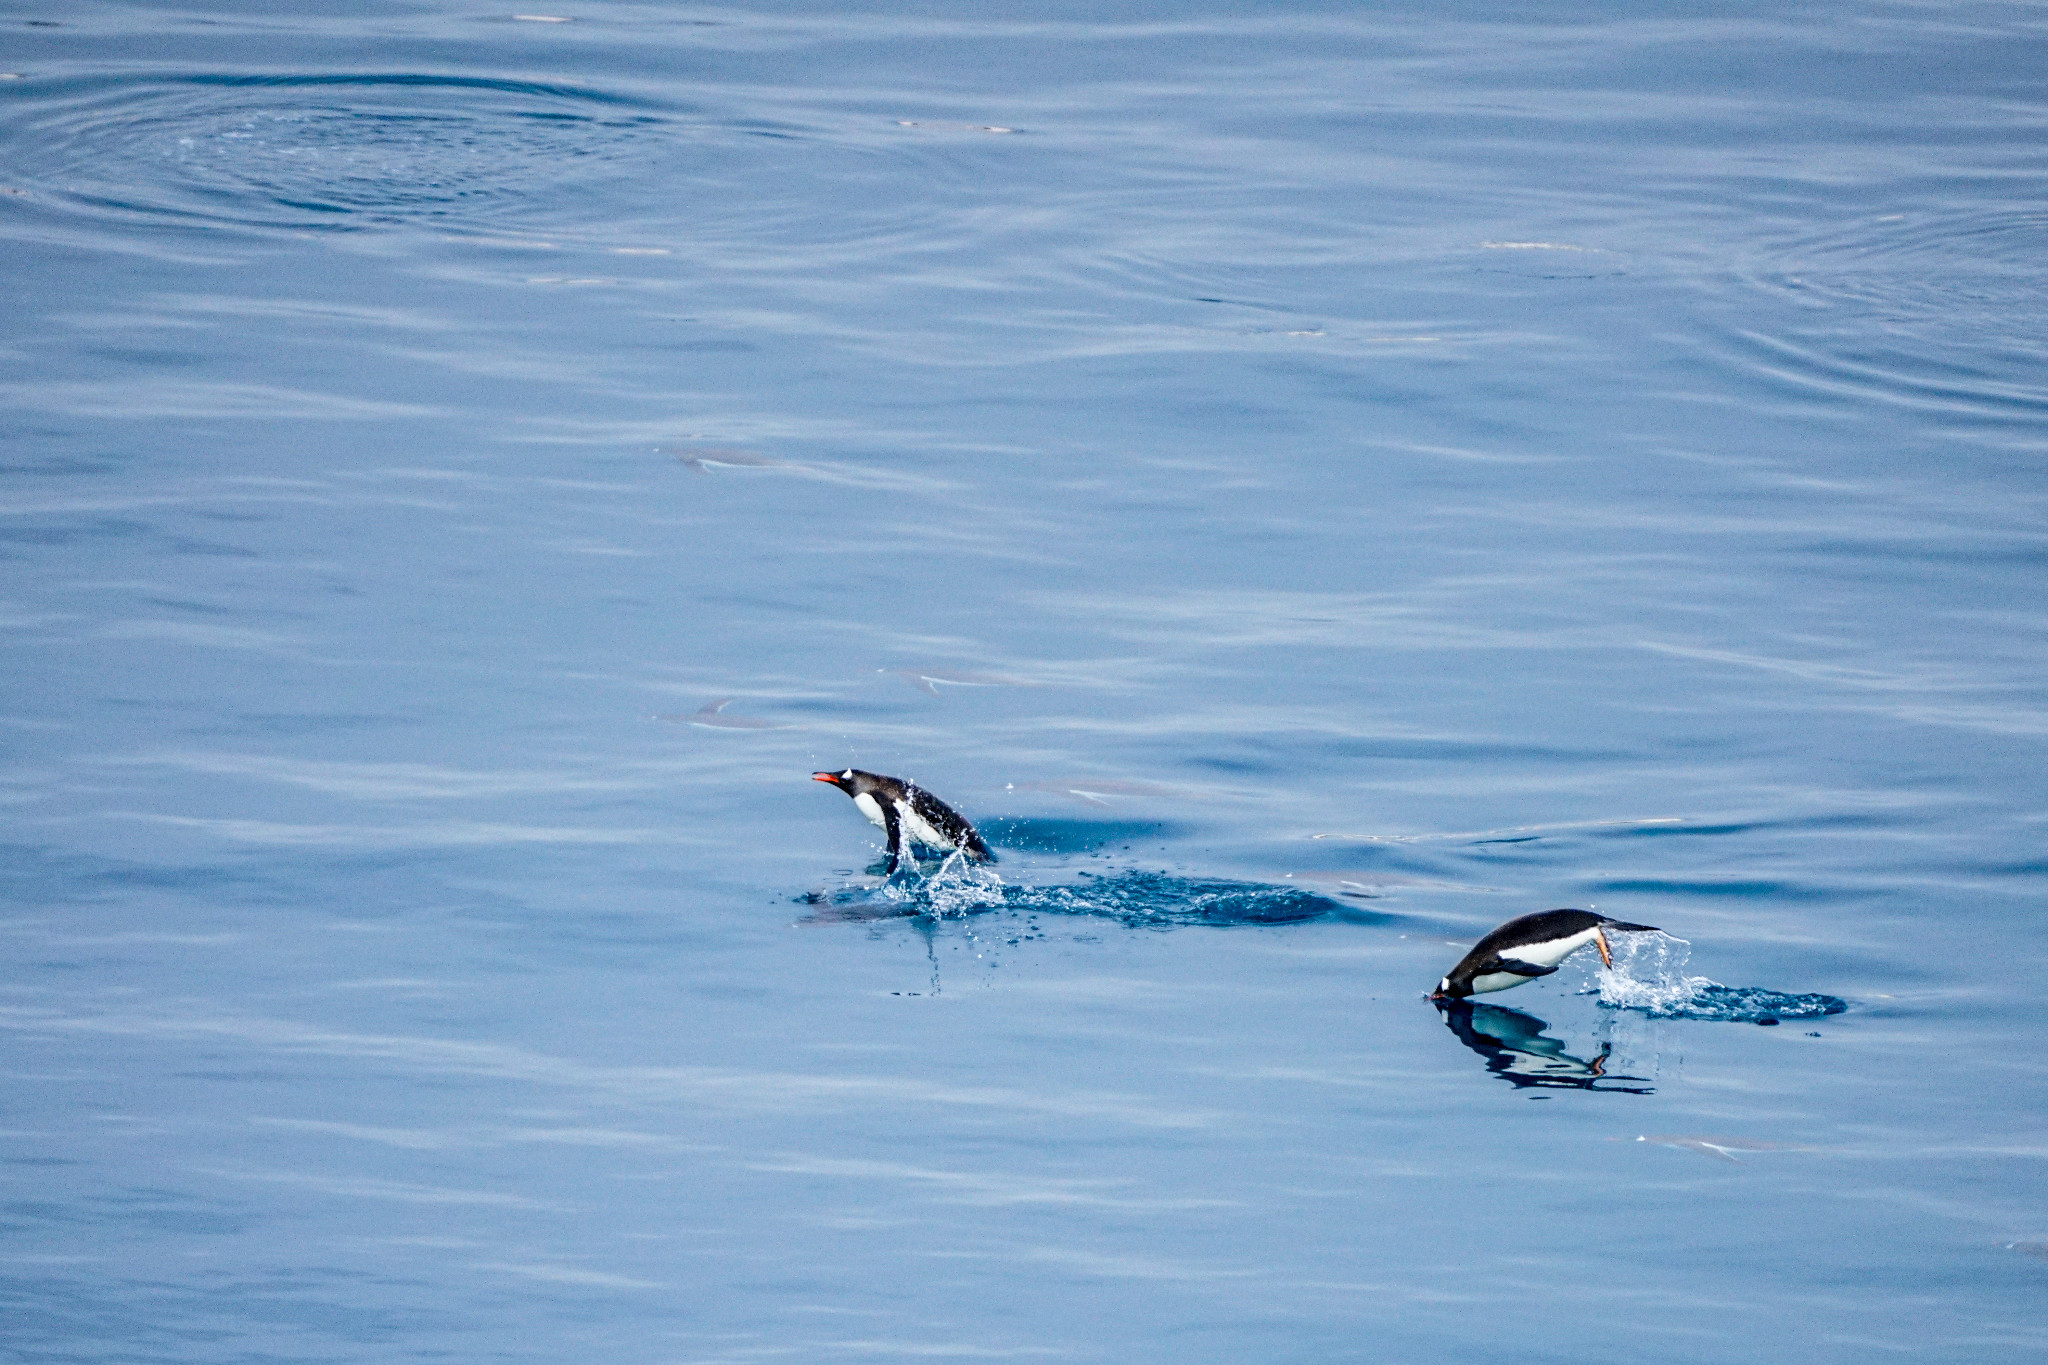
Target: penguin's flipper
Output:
[(892, 828), (1514, 965)]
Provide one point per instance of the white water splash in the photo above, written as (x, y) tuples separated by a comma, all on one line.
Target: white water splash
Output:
[(1649, 974), (961, 887)]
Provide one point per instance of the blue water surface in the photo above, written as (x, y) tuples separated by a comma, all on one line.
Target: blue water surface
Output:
[(1312, 482)]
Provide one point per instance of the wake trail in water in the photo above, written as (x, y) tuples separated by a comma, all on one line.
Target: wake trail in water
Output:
[(1649, 975), (1133, 898)]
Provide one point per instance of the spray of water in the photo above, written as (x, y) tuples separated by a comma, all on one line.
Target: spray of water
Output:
[(962, 887), (1649, 974)]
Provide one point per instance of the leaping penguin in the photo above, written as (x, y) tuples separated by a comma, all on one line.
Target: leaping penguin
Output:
[(908, 812), (1526, 948)]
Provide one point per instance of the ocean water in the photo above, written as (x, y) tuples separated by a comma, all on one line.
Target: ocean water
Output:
[(1311, 482)]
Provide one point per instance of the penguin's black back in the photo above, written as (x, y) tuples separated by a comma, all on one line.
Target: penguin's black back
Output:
[(1546, 926)]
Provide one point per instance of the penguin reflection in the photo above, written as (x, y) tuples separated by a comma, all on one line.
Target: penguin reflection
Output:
[(1516, 1050)]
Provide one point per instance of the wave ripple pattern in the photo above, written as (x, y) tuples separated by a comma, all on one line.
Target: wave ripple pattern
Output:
[(1311, 483)]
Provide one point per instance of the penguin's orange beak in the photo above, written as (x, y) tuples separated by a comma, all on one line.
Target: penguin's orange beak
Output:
[(833, 778)]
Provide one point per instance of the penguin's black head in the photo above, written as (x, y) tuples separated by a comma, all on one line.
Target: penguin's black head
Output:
[(852, 781)]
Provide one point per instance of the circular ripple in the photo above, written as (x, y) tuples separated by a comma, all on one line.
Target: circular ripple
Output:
[(1946, 269), (1937, 312), (330, 152)]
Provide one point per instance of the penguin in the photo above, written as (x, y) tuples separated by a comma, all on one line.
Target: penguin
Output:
[(1526, 948), (908, 812)]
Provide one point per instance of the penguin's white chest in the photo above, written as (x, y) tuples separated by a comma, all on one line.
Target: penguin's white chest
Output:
[(918, 828), (914, 826), (1495, 981)]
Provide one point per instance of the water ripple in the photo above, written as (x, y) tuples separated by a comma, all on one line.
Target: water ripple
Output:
[(327, 151), (1939, 268), (1922, 311)]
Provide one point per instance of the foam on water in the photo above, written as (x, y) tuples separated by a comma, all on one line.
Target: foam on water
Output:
[(1649, 974)]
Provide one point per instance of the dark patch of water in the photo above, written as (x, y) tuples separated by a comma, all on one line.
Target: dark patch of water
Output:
[(1714, 1002)]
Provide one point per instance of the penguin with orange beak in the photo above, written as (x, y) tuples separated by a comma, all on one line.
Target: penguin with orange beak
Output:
[(908, 813), (1531, 946)]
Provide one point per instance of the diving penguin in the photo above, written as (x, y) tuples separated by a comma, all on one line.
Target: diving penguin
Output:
[(1526, 948), (908, 812)]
